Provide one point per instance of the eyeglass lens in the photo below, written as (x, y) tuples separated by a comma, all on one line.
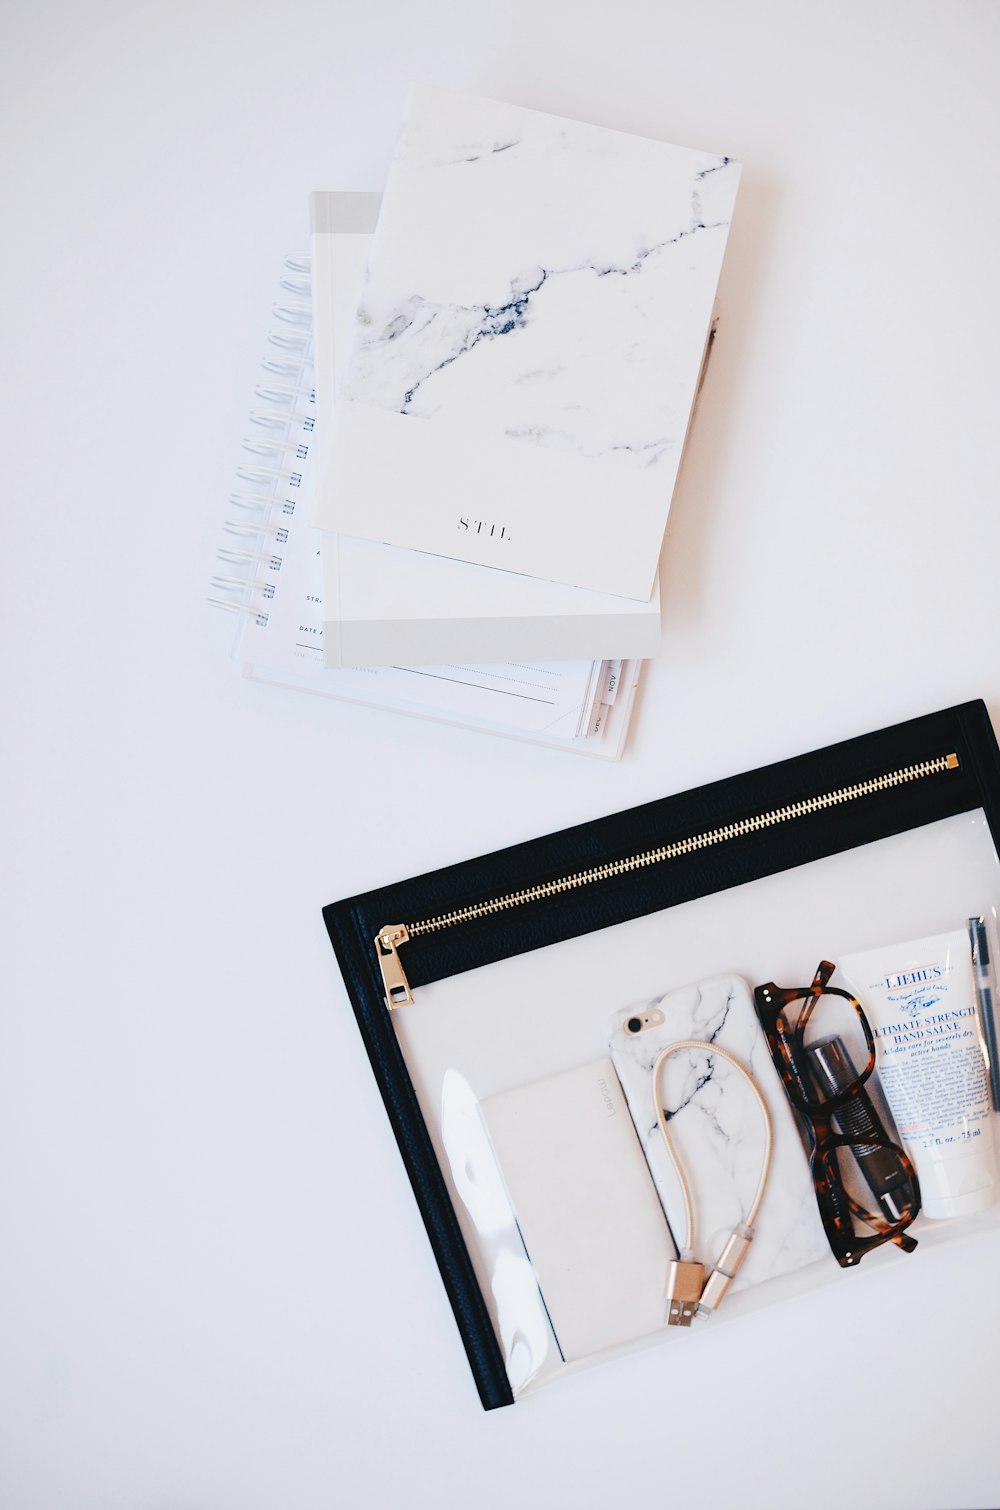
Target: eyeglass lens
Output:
[(826, 1044)]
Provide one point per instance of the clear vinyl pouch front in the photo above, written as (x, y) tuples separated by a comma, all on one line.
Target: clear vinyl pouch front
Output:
[(521, 1066), (652, 1127)]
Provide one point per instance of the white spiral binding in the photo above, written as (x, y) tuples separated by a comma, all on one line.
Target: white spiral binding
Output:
[(286, 423)]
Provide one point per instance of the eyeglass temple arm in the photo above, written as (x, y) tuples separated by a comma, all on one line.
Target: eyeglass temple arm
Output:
[(820, 982), (821, 979)]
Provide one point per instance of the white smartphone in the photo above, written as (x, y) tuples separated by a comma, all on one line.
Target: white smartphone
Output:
[(585, 1204)]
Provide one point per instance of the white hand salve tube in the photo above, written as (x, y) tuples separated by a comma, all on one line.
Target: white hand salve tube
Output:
[(920, 1001)]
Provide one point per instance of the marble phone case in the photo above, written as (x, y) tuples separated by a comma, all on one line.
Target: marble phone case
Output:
[(717, 1128)]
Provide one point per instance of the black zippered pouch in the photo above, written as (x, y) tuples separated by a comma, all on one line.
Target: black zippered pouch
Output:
[(474, 981)]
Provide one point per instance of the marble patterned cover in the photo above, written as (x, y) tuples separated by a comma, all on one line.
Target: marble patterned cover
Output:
[(718, 1130), (536, 285)]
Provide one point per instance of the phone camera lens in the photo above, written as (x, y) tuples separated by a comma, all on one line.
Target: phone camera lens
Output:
[(634, 1025)]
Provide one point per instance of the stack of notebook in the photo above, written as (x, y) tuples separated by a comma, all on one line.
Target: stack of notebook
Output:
[(506, 348)]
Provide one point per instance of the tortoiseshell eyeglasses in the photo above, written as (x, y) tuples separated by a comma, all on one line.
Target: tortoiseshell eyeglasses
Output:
[(866, 1187)]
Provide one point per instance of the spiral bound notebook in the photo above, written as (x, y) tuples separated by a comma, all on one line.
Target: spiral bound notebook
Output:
[(272, 581)]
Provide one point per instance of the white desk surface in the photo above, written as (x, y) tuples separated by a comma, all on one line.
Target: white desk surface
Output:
[(215, 1292)]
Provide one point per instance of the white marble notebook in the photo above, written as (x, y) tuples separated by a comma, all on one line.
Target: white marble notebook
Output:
[(386, 606), (527, 350)]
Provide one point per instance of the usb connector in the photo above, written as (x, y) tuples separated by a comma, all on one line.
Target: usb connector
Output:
[(725, 1270), (684, 1283), (689, 1296)]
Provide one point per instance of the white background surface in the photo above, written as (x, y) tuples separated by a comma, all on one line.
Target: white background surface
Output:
[(215, 1292)]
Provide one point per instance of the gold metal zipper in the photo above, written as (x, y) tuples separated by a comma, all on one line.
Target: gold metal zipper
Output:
[(389, 938)]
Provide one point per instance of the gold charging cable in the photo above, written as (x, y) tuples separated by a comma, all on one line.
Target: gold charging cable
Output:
[(688, 1294)]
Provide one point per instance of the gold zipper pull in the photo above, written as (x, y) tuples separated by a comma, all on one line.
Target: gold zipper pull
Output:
[(397, 987)]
